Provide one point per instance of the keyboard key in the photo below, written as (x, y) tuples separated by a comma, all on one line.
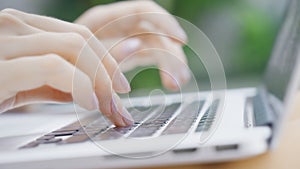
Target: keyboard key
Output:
[(115, 132), (148, 108), (53, 140), (60, 133), (45, 137), (144, 131), (69, 128), (141, 113), (30, 145), (98, 123), (84, 132), (183, 122), (153, 124), (75, 126), (91, 131), (76, 139), (108, 135), (207, 119)]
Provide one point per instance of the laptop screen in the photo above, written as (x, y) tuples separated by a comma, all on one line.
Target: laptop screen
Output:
[(284, 57)]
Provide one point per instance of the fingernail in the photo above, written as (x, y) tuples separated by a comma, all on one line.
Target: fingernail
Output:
[(123, 84), (182, 35), (185, 75), (113, 106), (130, 46), (122, 123), (95, 102), (127, 118)]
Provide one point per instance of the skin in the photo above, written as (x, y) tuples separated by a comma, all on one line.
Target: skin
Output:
[(49, 60)]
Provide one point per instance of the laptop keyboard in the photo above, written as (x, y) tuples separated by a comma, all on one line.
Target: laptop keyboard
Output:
[(150, 126), (150, 121), (183, 122), (208, 117)]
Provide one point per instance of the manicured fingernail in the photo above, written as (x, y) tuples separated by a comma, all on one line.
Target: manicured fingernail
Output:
[(131, 45), (182, 35), (113, 106), (123, 84), (122, 123), (185, 75), (127, 118), (95, 103)]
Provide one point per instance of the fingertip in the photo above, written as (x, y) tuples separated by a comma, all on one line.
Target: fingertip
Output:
[(170, 82), (182, 36), (126, 116), (128, 122), (118, 116), (185, 75), (121, 84), (131, 45), (119, 123), (89, 104), (126, 48)]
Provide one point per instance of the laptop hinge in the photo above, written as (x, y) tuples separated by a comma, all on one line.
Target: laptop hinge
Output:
[(263, 114)]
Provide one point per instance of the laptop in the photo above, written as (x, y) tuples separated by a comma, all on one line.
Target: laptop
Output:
[(196, 127)]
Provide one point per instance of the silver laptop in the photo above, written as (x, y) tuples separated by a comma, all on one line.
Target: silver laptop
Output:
[(173, 129)]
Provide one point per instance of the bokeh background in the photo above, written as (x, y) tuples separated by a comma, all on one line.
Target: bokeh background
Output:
[(243, 32)]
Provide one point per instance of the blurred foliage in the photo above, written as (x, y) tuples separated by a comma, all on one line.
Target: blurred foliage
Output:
[(257, 37), (257, 32)]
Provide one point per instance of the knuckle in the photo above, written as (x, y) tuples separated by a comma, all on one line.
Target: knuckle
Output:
[(10, 24), (75, 40), (149, 4), (80, 79), (53, 64), (85, 79), (9, 10), (14, 25), (84, 31), (5, 17), (75, 36)]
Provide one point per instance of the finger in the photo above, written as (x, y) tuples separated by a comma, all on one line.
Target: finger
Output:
[(11, 25), (160, 50), (110, 104), (121, 49), (42, 94), (34, 72), (87, 63), (71, 46), (137, 11), (124, 115), (173, 65), (120, 83), (170, 57), (67, 45)]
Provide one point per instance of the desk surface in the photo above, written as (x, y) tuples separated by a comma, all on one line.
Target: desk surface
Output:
[(286, 154)]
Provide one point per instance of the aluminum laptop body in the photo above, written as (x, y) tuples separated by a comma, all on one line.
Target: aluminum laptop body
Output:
[(198, 127)]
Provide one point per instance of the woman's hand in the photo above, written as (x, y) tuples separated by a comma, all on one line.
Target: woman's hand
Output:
[(141, 33), (45, 59)]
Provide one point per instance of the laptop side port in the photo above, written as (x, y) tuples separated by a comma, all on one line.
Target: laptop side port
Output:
[(227, 147), (185, 150)]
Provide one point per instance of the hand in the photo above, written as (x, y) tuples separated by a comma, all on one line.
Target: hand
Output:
[(45, 59), (141, 33)]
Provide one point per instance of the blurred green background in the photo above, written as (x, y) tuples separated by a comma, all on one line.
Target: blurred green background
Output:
[(243, 32)]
